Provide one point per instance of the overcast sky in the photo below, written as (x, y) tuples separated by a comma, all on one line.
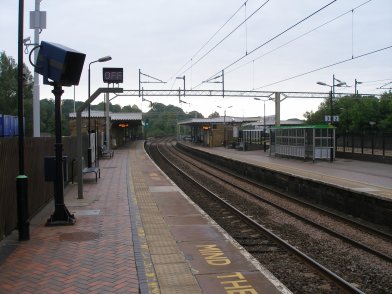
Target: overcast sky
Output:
[(160, 37)]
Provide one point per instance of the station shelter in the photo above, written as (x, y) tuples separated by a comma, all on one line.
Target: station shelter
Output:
[(306, 142), (213, 132), (123, 126), (255, 135)]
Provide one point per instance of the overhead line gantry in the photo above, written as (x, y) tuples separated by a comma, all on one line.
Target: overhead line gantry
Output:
[(271, 95)]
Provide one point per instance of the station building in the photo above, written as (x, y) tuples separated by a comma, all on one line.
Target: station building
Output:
[(230, 131), (123, 126)]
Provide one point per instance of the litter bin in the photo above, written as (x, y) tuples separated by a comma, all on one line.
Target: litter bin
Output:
[(50, 168)]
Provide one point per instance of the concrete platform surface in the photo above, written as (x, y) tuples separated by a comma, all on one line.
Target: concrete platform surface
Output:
[(362, 176)]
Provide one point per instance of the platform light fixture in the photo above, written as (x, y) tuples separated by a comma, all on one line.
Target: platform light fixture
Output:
[(224, 122), (355, 87), (332, 92), (331, 96), (264, 127), (89, 151)]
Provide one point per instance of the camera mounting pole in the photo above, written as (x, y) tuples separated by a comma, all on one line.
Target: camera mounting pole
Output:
[(60, 66), (61, 216)]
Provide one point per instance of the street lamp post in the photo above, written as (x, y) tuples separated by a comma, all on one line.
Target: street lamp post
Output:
[(102, 59), (331, 96), (345, 127), (332, 93), (224, 123), (264, 127), (355, 87)]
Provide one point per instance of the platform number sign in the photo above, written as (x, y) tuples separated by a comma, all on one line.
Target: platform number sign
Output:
[(335, 118), (112, 75)]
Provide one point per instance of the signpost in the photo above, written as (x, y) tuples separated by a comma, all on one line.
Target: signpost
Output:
[(335, 118), (112, 75)]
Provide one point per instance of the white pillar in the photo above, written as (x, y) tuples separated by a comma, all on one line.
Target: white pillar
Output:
[(107, 135), (38, 23), (277, 109)]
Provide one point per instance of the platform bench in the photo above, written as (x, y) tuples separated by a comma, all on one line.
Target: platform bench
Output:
[(106, 152), (93, 169)]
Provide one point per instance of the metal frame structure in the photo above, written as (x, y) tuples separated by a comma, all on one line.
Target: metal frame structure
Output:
[(271, 95), (227, 93), (307, 142)]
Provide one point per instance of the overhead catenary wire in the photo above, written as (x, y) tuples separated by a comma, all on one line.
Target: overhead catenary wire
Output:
[(382, 87), (300, 36), (376, 81), (275, 37), (209, 40), (228, 35), (327, 66)]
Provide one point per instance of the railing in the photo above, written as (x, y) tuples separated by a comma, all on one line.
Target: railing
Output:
[(365, 146), (371, 143)]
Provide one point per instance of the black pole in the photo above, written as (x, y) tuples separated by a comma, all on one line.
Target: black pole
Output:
[(139, 82), (96, 144), (330, 107), (21, 179), (184, 84), (61, 215), (264, 133), (223, 83), (372, 141), (331, 121), (383, 144), (89, 151)]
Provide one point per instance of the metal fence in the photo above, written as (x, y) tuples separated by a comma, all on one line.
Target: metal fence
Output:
[(370, 143)]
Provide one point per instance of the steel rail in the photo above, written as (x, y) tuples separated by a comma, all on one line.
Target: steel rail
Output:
[(371, 229), (302, 218)]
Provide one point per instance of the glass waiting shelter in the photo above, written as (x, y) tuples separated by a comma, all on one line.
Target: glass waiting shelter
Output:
[(253, 136), (307, 142)]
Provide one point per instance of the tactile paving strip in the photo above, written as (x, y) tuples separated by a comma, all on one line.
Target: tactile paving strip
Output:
[(167, 258), (174, 274), (161, 255)]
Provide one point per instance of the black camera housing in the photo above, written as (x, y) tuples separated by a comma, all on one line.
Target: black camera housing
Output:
[(59, 64)]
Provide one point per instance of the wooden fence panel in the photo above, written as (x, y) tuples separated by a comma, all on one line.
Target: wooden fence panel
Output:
[(39, 191)]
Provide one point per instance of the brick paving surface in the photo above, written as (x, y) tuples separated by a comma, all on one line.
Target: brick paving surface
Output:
[(93, 256)]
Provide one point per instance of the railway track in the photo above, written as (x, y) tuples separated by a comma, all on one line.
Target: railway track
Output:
[(257, 190), (266, 249)]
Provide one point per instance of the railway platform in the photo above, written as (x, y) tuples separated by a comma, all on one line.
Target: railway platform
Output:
[(135, 232), (361, 176)]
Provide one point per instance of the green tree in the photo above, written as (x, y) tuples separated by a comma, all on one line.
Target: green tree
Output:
[(385, 122), (195, 114), (129, 108), (8, 85), (47, 116), (9, 94), (357, 114), (214, 114), (112, 107), (67, 106), (163, 119)]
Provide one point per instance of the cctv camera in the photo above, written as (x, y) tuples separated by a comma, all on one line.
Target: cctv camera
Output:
[(26, 40), (60, 64)]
